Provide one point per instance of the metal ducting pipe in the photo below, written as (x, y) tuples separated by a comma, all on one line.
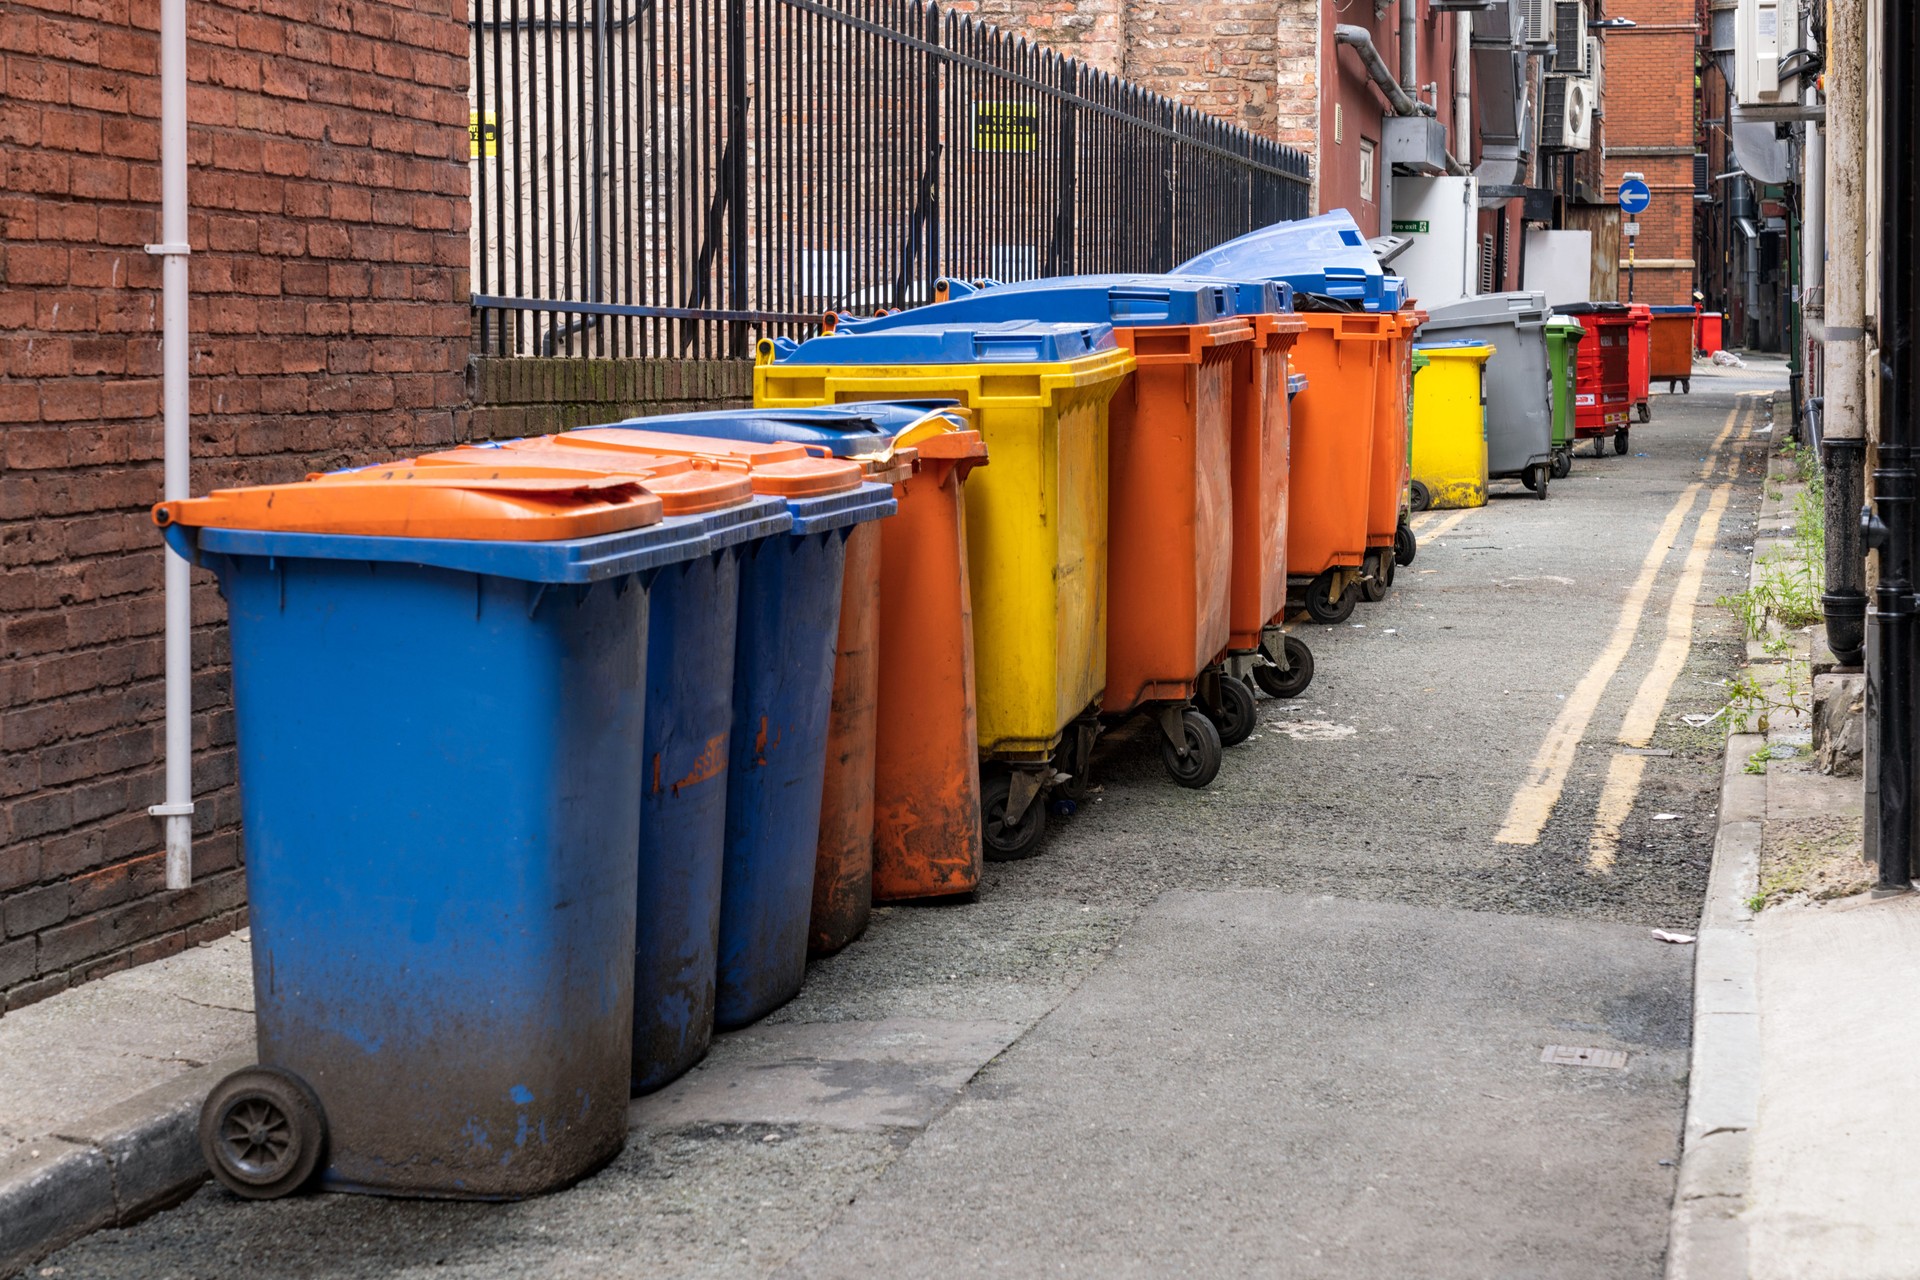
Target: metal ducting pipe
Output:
[(1360, 40), (1888, 524)]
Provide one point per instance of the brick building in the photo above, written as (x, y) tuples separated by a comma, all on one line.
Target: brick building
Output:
[(1652, 130), (330, 325)]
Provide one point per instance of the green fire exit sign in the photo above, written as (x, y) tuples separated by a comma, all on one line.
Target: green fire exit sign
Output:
[(1408, 228)]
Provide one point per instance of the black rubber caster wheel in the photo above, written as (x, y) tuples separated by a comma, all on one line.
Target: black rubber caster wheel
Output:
[(1422, 496), (1321, 604), (1076, 764), (1373, 587), (1405, 546), (1542, 475), (1235, 714), (1001, 840), (1563, 464), (1646, 410), (1201, 763), (1292, 682), (262, 1132), (1620, 441)]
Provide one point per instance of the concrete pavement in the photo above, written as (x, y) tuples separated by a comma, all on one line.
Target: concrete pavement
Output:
[(1362, 815)]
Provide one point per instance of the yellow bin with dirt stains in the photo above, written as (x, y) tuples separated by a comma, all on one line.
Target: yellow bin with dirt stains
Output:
[(1036, 520), (1450, 426)]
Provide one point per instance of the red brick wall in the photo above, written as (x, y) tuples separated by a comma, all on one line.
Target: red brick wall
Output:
[(329, 184), (1649, 104)]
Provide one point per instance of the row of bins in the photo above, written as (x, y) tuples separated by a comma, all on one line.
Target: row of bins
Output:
[(575, 748)]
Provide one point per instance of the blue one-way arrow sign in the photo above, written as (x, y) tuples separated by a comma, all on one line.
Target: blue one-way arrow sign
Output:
[(1635, 196)]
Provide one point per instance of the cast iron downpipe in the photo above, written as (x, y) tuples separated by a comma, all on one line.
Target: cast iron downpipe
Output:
[(1888, 524), (1843, 419)]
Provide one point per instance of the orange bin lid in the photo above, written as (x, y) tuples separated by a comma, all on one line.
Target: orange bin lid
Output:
[(493, 504), (686, 486), (777, 470)]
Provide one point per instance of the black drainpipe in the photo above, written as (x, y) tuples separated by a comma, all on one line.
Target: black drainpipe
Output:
[(1888, 524)]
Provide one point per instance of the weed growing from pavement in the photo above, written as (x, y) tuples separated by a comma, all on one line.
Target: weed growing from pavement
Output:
[(1785, 599)]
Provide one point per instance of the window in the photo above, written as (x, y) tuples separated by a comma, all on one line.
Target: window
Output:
[(1366, 169)]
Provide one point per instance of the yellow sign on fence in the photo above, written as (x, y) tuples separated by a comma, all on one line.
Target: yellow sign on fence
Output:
[(483, 136), (1006, 126)]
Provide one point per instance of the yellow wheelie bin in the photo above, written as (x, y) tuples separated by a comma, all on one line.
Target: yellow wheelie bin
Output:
[(1450, 425), (1036, 521)]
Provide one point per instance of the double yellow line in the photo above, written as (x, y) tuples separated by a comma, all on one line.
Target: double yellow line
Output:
[(1546, 777)]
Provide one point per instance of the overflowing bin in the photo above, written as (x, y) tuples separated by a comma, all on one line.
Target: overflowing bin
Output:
[(440, 854), (1670, 339), (1519, 390), (915, 672), (1563, 348), (1036, 521), (1603, 395), (1326, 256), (1449, 425)]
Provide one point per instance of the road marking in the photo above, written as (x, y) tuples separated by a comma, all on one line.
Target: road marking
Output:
[(1624, 772), (1446, 526), (1546, 777)]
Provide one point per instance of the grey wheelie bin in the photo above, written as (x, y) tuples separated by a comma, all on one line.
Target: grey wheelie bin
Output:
[(1519, 388)]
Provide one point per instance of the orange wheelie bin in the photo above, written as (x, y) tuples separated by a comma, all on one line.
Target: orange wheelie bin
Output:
[(1333, 451), (1389, 536)]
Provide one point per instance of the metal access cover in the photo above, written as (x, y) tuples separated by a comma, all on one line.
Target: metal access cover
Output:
[(1563, 1055)]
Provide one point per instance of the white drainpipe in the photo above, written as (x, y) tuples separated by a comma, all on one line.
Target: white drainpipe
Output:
[(1463, 87), (172, 249)]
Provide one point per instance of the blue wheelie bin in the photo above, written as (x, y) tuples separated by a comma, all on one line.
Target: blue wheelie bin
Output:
[(439, 697), (693, 614), (789, 620)]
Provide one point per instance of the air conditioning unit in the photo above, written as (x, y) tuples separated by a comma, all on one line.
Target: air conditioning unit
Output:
[(1566, 114), (1596, 67), (1766, 38), (1570, 52), (1537, 21)]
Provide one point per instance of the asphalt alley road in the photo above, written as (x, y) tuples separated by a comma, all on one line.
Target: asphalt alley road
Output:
[(1289, 1025)]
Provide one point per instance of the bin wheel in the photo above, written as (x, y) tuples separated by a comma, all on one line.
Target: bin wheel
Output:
[(1373, 587), (262, 1132), (1405, 547), (1004, 841), (1076, 762), (1620, 441), (1234, 715), (1686, 386), (1646, 410), (1562, 464), (1200, 764), (1541, 475), (1526, 478), (1422, 496), (1293, 681), (1322, 606)]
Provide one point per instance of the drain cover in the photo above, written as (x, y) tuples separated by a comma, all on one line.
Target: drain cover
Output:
[(1566, 1055)]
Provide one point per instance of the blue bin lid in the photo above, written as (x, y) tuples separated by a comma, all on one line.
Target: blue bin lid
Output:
[(845, 430), (1124, 301), (839, 510), (572, 560), (1673, 311), (1020, 341), (1325, 255)]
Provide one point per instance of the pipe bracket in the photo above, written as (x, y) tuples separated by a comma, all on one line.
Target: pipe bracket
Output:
[(169, 250), (184, 809)]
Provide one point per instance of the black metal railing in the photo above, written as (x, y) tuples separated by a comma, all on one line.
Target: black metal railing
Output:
[(677, 177)]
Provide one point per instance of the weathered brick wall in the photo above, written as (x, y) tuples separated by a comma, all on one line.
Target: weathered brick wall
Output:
[(1091, 30), (329, 274), (1649, 105), (538, 396)]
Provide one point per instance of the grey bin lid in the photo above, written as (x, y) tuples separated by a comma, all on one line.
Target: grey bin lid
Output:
[(1522, 308)]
